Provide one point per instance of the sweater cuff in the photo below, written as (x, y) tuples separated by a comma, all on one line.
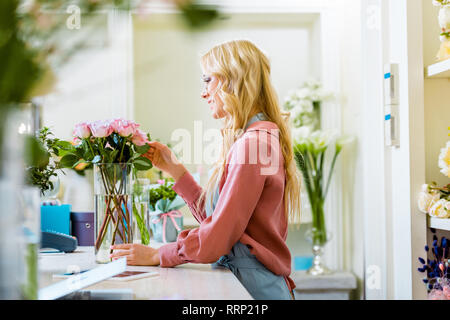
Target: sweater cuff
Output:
[(168, 255), (187, 188)]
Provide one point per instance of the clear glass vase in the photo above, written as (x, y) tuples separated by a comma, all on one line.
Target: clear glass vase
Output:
[(141, 211), (318, 239), (31, 219), (113, 207), (13, 248)]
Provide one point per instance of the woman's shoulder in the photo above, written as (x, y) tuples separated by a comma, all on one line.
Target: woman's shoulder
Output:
[(262, 127), (261, 139)]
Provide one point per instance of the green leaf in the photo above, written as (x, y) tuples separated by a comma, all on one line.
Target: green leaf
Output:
[(69, 160), (142, 149), (36, 154), (142, 164), (65, 145), (114, 154), (198, 15)]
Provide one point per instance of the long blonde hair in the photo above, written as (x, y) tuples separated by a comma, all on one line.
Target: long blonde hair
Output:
[(244, 84)]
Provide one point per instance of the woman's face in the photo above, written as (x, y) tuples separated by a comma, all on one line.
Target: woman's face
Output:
[(210, 93)]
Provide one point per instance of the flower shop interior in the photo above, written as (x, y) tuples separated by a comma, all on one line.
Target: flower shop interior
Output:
[(368, 81)]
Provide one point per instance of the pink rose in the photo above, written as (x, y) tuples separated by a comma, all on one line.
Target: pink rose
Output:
[(82, 130), (125, 128), (115, 124), (139, 138), (160, 181), (100, 129)]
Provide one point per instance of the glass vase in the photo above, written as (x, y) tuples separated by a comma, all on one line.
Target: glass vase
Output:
[(318, 236), (113, 207), (141, 211), (318, 267), (31, 218), (12, 237)]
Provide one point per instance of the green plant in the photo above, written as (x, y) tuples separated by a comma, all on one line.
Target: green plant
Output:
[(163, 191), (42, 163), (310, 157)]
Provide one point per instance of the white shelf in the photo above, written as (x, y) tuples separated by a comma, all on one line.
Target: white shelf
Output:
[(438, 223), (439, 70)]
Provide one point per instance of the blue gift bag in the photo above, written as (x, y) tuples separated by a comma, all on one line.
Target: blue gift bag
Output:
[(166, 222)]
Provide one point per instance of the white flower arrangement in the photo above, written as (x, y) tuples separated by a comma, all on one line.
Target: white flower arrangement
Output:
[(435, 200), (444, 160), (304, 105), (444, 23), (441, 3)]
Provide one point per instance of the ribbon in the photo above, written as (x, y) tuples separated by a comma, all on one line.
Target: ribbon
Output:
[(171, 214)]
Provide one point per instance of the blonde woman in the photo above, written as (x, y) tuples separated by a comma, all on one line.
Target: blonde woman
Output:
[(253, 189)]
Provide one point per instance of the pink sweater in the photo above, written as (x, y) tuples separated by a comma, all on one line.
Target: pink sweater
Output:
[(250, 208)]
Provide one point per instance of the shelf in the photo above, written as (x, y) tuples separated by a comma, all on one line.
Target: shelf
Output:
[(438, 223), (440, 70)]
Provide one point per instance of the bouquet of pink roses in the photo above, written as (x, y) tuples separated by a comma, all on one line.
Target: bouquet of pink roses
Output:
[(116, 149), (111, 141)]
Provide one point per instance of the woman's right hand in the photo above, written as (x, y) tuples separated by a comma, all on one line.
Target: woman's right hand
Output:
[(164, 159)]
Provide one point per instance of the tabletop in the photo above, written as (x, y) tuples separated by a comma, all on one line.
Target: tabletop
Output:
[(188, 281)]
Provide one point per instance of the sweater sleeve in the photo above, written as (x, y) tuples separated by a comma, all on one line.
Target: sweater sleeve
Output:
[(187, 188), (217, 233)]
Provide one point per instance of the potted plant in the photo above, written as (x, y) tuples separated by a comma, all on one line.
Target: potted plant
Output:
[(164, 204)]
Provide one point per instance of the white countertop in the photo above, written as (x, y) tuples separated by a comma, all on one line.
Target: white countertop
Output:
[(188, 281)]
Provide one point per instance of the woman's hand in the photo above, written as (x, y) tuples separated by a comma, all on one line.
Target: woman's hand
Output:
[(136, 254), (164, 159)]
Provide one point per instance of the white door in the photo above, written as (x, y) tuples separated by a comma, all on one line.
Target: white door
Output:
[(395, 230)]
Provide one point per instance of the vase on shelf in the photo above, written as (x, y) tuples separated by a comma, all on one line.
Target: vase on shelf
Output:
[(318, 236), (113, 207), (318, 267)]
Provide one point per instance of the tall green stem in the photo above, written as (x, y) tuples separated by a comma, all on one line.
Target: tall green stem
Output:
[(331, 172)]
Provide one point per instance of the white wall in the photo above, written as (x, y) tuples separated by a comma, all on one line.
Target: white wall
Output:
[(167, 67), (93, 85)]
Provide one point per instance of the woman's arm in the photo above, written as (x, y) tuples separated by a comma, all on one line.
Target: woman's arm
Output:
[(164, 159), (187, 188), (220, 231)]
